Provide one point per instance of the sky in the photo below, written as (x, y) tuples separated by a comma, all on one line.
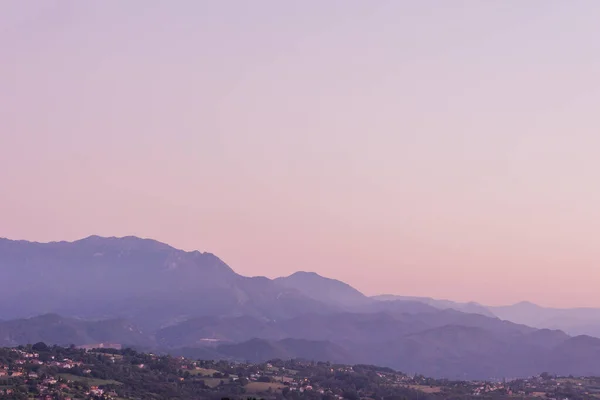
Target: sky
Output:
[(428, 148)]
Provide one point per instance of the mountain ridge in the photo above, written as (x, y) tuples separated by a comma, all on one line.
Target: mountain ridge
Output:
[(441, 348), (324, 289), (142, 275), (152, 294)]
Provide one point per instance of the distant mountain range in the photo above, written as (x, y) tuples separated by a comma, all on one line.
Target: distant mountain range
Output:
[(574, 321), (147, 294), (470, 307)]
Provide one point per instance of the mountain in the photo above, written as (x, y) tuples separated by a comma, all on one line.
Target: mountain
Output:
[(345, 297), (449, 344), (325, 290), (147, 294), (145, 281), (575, 321), (444, 343), (578, 356), (52, 328), (470, 307)]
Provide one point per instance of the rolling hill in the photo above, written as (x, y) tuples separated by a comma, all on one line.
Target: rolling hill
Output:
[(446, 343), (54, 329)]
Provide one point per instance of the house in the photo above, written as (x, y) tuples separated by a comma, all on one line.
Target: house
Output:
[(96, 391)]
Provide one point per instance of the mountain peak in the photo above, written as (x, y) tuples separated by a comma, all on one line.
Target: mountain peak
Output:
[(308, 274), (526, 303), (145, 280), (129, 242), (323, 289)]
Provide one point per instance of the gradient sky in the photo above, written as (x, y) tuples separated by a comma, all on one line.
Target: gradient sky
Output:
[(439, 148)]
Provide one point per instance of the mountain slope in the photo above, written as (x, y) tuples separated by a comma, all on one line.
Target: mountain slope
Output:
[(575, 321), (451, 346), (326, 290), (260, 350), (192, 301), (345, 297), (54, 329), (445, 343), (470, 307), (149, 282)]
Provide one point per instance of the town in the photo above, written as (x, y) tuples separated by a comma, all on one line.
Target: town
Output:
[(52, 372)]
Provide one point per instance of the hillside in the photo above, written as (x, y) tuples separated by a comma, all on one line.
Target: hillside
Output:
[(575, 321), (470, 307), (147, 282), (147, 294), (34, 372), (325, 290), (445, 344), (52, 328), (261, 350)]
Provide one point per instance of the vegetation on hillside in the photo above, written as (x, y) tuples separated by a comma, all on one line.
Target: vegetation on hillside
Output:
[(53, 372)]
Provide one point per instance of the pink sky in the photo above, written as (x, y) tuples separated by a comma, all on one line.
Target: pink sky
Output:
[(436, 148)]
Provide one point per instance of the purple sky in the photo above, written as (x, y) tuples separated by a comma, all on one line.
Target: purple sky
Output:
[(439, 148)]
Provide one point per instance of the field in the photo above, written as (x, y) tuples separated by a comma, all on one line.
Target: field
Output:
[(89, 381), (291, 371), (426, 389), (260, 387), (213, 382), (203, 371)]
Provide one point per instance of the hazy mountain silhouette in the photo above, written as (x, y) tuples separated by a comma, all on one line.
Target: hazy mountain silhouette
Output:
[(473, 347), (575, 321), (447, 344), (470, 307), (148, 282), (345, 297), (350, 328), (326, 290), (193, 303)]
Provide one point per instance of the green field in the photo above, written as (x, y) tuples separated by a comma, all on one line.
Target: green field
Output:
[(89, 381), (213, 382), (203, 372)]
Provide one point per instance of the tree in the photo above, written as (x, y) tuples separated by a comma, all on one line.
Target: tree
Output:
[(40, 347), (545, 376)]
